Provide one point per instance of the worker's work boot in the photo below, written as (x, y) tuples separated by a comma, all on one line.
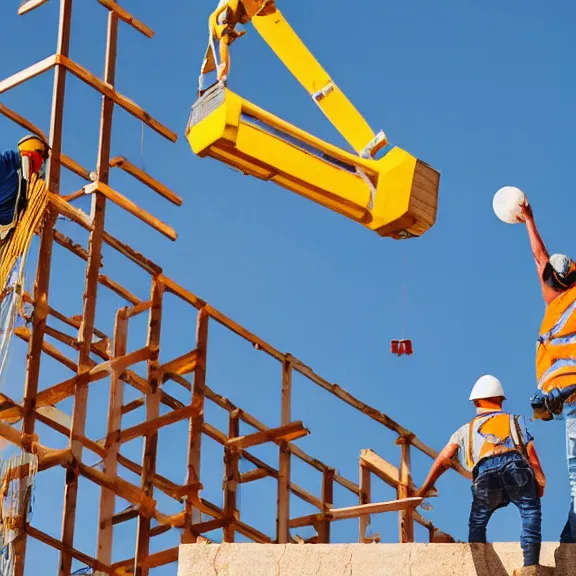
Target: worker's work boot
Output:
[(536, 570)]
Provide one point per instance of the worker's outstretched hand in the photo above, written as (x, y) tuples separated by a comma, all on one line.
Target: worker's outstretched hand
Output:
[(425, 492), (526, 211)]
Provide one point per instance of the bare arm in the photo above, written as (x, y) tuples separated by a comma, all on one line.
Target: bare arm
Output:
[(439, 466), (541, 256)]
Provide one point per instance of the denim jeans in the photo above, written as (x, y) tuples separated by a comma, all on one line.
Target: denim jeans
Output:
[(568, 535), (499, 480)]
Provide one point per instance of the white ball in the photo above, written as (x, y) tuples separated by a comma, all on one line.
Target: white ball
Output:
[(507, 202)]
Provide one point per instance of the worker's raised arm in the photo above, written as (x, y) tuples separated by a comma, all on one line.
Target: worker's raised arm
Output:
[(439, 466), (541, 256)]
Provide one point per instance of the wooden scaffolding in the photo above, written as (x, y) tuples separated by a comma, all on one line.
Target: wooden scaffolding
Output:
[(100, 356)]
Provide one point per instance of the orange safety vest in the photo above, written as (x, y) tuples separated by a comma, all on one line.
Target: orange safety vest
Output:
[(498, 433), (556, 348)]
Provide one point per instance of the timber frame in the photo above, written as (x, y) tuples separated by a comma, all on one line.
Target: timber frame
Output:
[(100, 356)]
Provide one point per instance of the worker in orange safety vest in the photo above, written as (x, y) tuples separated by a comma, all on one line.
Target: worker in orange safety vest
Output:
[(498, 450), (556, 351)]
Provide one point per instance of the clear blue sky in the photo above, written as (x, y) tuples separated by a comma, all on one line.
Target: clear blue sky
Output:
[(483, 91)]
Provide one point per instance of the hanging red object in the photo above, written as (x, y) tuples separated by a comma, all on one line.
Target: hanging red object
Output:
[(401, 347)]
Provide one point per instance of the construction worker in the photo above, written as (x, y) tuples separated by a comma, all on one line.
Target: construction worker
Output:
[(555, 353), (16, 169), (498, 450)]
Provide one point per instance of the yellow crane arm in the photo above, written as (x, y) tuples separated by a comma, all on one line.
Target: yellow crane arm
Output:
[(286, 44)]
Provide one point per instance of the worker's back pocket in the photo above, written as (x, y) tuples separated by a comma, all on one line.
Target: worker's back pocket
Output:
[(519, 481), (488, 490)]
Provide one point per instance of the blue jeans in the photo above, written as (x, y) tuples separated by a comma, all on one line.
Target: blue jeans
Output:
[(499, 480), (568, 535)]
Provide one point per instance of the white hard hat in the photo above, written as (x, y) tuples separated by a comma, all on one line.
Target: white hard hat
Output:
[(487, 387)]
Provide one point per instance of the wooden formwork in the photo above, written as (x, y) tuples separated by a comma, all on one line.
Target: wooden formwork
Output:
[(100, 355)]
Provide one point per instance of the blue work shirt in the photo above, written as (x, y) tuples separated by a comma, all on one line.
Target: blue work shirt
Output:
[(9, 180)]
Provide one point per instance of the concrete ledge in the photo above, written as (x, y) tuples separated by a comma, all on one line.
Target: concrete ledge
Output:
[(499, 559)]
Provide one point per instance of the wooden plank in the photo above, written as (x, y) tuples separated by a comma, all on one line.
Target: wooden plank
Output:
[(280, 434), (27, 74), (132, 208), (108, 90), (404, 490), (231, 474), (220, 437), (141, 176), (283, 503), (134, 405), (138, 309), (364, 497), (152, 424), (374, 508), (226, 404), (29, 6), (120, 364), (179, 366), (57, 545), (377, 465), (119, 289), (107, 497), (193, 514), (323, 526), (125, 16)]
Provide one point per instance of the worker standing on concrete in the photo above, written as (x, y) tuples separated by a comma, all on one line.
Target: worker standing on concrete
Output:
[(556, 353), (16, 169), (498, 450)]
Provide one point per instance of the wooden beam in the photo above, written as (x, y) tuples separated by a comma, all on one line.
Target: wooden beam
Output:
[(220, 437), (120, 364), (281, 434), (27, 74), (404, 490), (179, 366), (193, 513), (231, 474), (30, 5), (323, 526), (108, 90), (119, 289), (150, 426), (153, 422), (377, 465), (107, 497), (57, 545), (364, 497), (374, 508), (132, 208), (125, 16), (283, 502), (141, 176)]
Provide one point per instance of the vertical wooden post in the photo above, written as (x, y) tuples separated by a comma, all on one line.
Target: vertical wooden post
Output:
[(90, 293), (42, 283), (405, 517), (151, 437), (283, 514), (327, 503), (196, 423), (107, 499), (231, 461), (364, 498)]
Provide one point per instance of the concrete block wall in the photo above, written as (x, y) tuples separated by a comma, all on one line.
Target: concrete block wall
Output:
[(498, 559)]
